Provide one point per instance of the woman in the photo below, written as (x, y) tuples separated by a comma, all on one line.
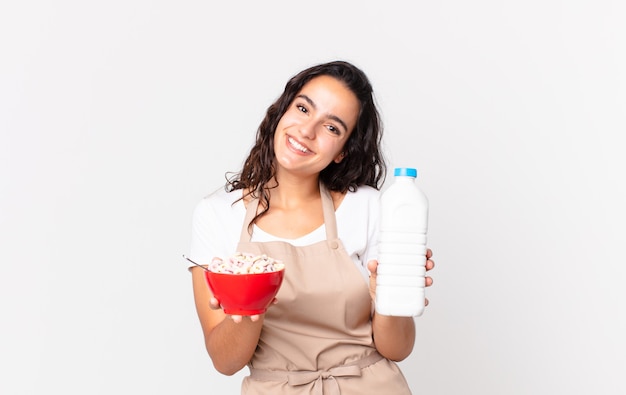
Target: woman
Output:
[(308, 194)]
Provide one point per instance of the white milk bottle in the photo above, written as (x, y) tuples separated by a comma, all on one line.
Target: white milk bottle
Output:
[(400, 281)]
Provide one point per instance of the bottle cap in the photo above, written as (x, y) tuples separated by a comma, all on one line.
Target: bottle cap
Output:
[(405, 171)]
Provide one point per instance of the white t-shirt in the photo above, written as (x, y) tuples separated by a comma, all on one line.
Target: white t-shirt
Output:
[(217, 224)]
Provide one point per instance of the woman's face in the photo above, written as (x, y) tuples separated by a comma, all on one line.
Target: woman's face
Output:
[(314, 129)]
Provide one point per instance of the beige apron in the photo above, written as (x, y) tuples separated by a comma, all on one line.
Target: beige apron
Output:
[(318, 338)]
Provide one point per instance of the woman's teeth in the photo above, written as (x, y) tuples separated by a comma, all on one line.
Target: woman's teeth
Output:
[(297, 145)]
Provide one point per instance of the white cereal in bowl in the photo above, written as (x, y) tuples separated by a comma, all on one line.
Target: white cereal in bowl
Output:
[(244, 263)]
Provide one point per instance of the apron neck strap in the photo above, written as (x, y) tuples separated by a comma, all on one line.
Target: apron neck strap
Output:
[(329, 213), (246, 234), (328, 208)]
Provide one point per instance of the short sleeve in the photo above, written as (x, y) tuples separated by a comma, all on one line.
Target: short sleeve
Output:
[(215, 227), (358, 221)]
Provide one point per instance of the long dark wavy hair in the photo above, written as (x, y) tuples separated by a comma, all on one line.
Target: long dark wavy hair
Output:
[(363, 162)]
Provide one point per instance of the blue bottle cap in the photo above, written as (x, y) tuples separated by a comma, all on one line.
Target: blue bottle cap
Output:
[(405, 171)]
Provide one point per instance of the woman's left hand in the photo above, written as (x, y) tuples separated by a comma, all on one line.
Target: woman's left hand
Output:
[(373, 265)]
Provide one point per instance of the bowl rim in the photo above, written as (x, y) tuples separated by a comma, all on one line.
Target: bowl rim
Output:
[(245, 274)]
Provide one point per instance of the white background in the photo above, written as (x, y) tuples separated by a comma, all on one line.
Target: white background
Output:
[(117, 117)]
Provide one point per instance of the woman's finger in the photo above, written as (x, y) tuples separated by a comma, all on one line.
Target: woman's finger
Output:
[(214, 304)]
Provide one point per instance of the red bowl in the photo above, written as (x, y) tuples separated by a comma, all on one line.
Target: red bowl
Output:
[(245, 294)]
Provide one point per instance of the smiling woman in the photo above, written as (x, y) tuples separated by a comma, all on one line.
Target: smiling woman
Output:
[(308, 195)]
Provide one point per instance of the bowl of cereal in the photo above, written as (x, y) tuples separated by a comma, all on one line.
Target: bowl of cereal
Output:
[(245, 284)]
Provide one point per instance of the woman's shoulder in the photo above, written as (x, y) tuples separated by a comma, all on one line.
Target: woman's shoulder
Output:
[(363, 197), (364, 193), (221, 196), (219, 201)]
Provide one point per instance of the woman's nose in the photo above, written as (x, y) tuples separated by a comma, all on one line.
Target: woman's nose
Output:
[(307, 129)]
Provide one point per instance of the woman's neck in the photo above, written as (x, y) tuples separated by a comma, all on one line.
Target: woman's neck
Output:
[(294, 191)]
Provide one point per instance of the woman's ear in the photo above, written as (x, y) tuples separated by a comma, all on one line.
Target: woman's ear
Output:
[(340, 157)]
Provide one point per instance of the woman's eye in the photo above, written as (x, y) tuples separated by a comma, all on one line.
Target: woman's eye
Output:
[(301, 108), (333, 129)]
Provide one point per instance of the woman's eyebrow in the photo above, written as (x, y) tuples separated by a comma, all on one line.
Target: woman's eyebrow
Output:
[(331, 116)]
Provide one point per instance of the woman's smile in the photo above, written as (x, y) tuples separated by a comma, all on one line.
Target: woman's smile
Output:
[(297, 146)]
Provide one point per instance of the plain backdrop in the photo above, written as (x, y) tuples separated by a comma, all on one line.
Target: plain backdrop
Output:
[(117, 117)]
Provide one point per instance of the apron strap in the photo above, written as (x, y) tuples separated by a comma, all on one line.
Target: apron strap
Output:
[(329, 213), (250, 213), (328, 208)]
